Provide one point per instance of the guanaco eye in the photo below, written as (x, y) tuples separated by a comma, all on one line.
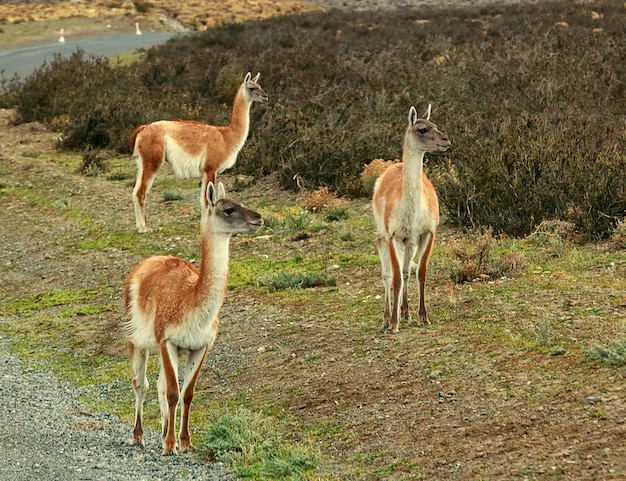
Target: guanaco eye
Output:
[(229, 211), (422, 130)]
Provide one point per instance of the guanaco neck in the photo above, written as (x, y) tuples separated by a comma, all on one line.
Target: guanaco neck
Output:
[(413, 166), (240, 118), (213, 267)]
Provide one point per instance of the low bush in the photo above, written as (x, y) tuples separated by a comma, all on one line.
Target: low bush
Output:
[(613, 355), (475, 260), (532, 98)]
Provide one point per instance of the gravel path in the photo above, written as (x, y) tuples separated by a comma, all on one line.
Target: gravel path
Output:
[(48, 435)]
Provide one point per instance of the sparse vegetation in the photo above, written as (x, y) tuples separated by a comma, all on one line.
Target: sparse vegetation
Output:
[(296, 280), (257, 447), (476, 260), (613, 355)]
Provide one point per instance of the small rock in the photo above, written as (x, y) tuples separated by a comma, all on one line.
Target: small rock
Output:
[(447, 348), (606, 452), (557, 351), (592, 399)]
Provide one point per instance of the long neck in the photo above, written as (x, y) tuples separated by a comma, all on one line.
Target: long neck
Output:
[(240, 116), (213, 267), (413, 166)]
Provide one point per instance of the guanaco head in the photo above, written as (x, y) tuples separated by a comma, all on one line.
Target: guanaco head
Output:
[(423, 135), (252, 90), (227, 216)]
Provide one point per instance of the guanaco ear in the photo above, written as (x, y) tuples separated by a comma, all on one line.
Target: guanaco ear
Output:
[(427, 113), (221, 192), (211, 194), (256, 79), (412, 116), (248, 77)]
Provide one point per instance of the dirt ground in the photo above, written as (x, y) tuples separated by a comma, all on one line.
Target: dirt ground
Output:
[(430, 403)]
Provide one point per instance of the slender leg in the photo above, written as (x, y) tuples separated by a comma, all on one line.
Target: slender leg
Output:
[(193, 365), (139, 361), (143, 184), (396, 269), (385, 261), (426, 243), (409, 253), (168, 395)]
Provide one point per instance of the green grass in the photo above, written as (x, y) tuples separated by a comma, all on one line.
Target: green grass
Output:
[(296, 280), (257, 446), (613, 355), (27, 304)]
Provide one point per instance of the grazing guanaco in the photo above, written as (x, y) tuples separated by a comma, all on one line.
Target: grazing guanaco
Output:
[(192, 149), (172, 309), (406, 213)]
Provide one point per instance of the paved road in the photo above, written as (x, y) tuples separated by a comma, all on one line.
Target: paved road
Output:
[(24, 60)]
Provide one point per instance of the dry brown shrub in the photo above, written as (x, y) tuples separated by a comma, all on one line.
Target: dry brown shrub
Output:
[(372, 171), (619, 234), (320, 200), (555, 228), (476, 260)]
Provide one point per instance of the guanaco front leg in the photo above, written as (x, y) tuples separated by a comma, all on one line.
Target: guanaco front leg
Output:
[(426, 242), (397, 283), (168, 395)]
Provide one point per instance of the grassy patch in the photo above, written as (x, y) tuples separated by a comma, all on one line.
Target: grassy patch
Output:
[(45, 300), (296, 280), (257, 447), (613, 355)]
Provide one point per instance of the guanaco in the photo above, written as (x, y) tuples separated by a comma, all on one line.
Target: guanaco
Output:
[(192, 148), (172, 309), (406, 213)]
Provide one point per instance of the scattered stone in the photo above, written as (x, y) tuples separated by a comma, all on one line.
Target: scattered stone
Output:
[(592, 399), (558, 351), (606, 452)]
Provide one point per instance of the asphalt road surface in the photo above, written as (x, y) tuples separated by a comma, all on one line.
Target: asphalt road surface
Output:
[(24, 60)]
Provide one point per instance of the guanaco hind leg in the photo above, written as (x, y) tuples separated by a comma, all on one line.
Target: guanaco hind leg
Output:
[(143, 184), (385, 262), (139, 362), (193, 365)]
